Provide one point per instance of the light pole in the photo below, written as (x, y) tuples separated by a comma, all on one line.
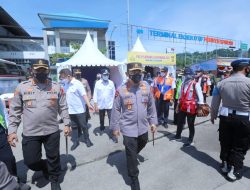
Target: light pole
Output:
[(128, 32)]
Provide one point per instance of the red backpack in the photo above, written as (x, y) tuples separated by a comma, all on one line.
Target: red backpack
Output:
[(188, 106)]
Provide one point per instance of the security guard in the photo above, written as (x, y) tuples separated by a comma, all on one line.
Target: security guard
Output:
[(39, 100), (133, 112), (164, 86), (234, 126)]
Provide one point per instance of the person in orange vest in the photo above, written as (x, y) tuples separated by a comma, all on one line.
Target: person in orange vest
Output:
[(164, 94), (205, 82)]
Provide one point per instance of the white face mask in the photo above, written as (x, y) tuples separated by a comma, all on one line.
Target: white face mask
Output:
[(64, 81), (162, 74), (105, 77)]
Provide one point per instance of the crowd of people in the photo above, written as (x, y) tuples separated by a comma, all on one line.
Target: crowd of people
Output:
[(131, 109)]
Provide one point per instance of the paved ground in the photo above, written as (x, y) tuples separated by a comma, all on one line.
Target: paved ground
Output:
[(167, 165)]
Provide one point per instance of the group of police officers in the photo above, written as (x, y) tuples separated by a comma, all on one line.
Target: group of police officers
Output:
[(38, 101)]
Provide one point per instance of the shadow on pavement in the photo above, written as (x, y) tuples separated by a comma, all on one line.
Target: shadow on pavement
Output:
[(68, 163), (209, 161), (118, 159), (170, 136), (97, 132)]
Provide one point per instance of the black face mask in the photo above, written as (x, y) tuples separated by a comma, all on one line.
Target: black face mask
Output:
[(136, 78), (78, 76), (41, 77)]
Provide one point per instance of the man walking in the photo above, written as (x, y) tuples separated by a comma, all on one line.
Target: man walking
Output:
[(38, 101), (234, 126), (103, 97), (78, 76), (76, 100), (189, 99), (133, 112), (164, 86), (204, 82)]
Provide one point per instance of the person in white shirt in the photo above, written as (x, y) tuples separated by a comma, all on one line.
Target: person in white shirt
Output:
[(76, 99), (104, 93)]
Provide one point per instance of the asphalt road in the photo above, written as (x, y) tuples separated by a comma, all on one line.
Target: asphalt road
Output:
[(167, 165)]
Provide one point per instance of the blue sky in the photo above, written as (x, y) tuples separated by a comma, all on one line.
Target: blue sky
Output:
[(220, 18)]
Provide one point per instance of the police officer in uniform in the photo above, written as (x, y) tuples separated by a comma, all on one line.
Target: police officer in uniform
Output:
[(234, 126), (39, 101), (133, 112)]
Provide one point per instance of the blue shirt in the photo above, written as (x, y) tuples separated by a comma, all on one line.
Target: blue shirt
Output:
[(74, 96)]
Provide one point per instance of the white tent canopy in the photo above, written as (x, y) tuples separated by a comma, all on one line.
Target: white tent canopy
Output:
[(138, 47), (88, 55)]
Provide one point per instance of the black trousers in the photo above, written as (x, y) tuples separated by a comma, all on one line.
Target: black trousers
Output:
[(79, 126), (102, 116), (181, 122), (205, 97), (234, 136), (6, 154), (32, 154), (162, 110), (133, 145), (175, 114)]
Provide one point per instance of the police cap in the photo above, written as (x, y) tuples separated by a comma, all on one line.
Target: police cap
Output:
[(240, 63), (40, 63), (164, 69), (77, 71), (134, 66)]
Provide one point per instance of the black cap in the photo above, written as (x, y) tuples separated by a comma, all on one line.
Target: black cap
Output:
[(240, 63), (134, 66), (40, 63), (188, 71), (105, 71)]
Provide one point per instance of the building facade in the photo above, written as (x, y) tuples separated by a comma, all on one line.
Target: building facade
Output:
[(62, 31), (16, 44)]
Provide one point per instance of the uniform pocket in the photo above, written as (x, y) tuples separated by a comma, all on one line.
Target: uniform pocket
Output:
[(29, 102)]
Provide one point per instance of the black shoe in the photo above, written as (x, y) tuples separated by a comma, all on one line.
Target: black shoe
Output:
[(165, 125), (55, 186), (135, 185), (88, 142), (74, 146), (23, 186), (225, 168), (102, 128), (188, 144), (233, 175), (175, 138)]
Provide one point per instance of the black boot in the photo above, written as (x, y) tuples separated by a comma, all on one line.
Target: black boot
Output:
[(55, 186), (135, 185), (74, 146), (88, 142)]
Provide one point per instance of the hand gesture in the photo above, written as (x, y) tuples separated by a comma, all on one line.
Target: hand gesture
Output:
[(12, 139), (153, 128), (67, 131)]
